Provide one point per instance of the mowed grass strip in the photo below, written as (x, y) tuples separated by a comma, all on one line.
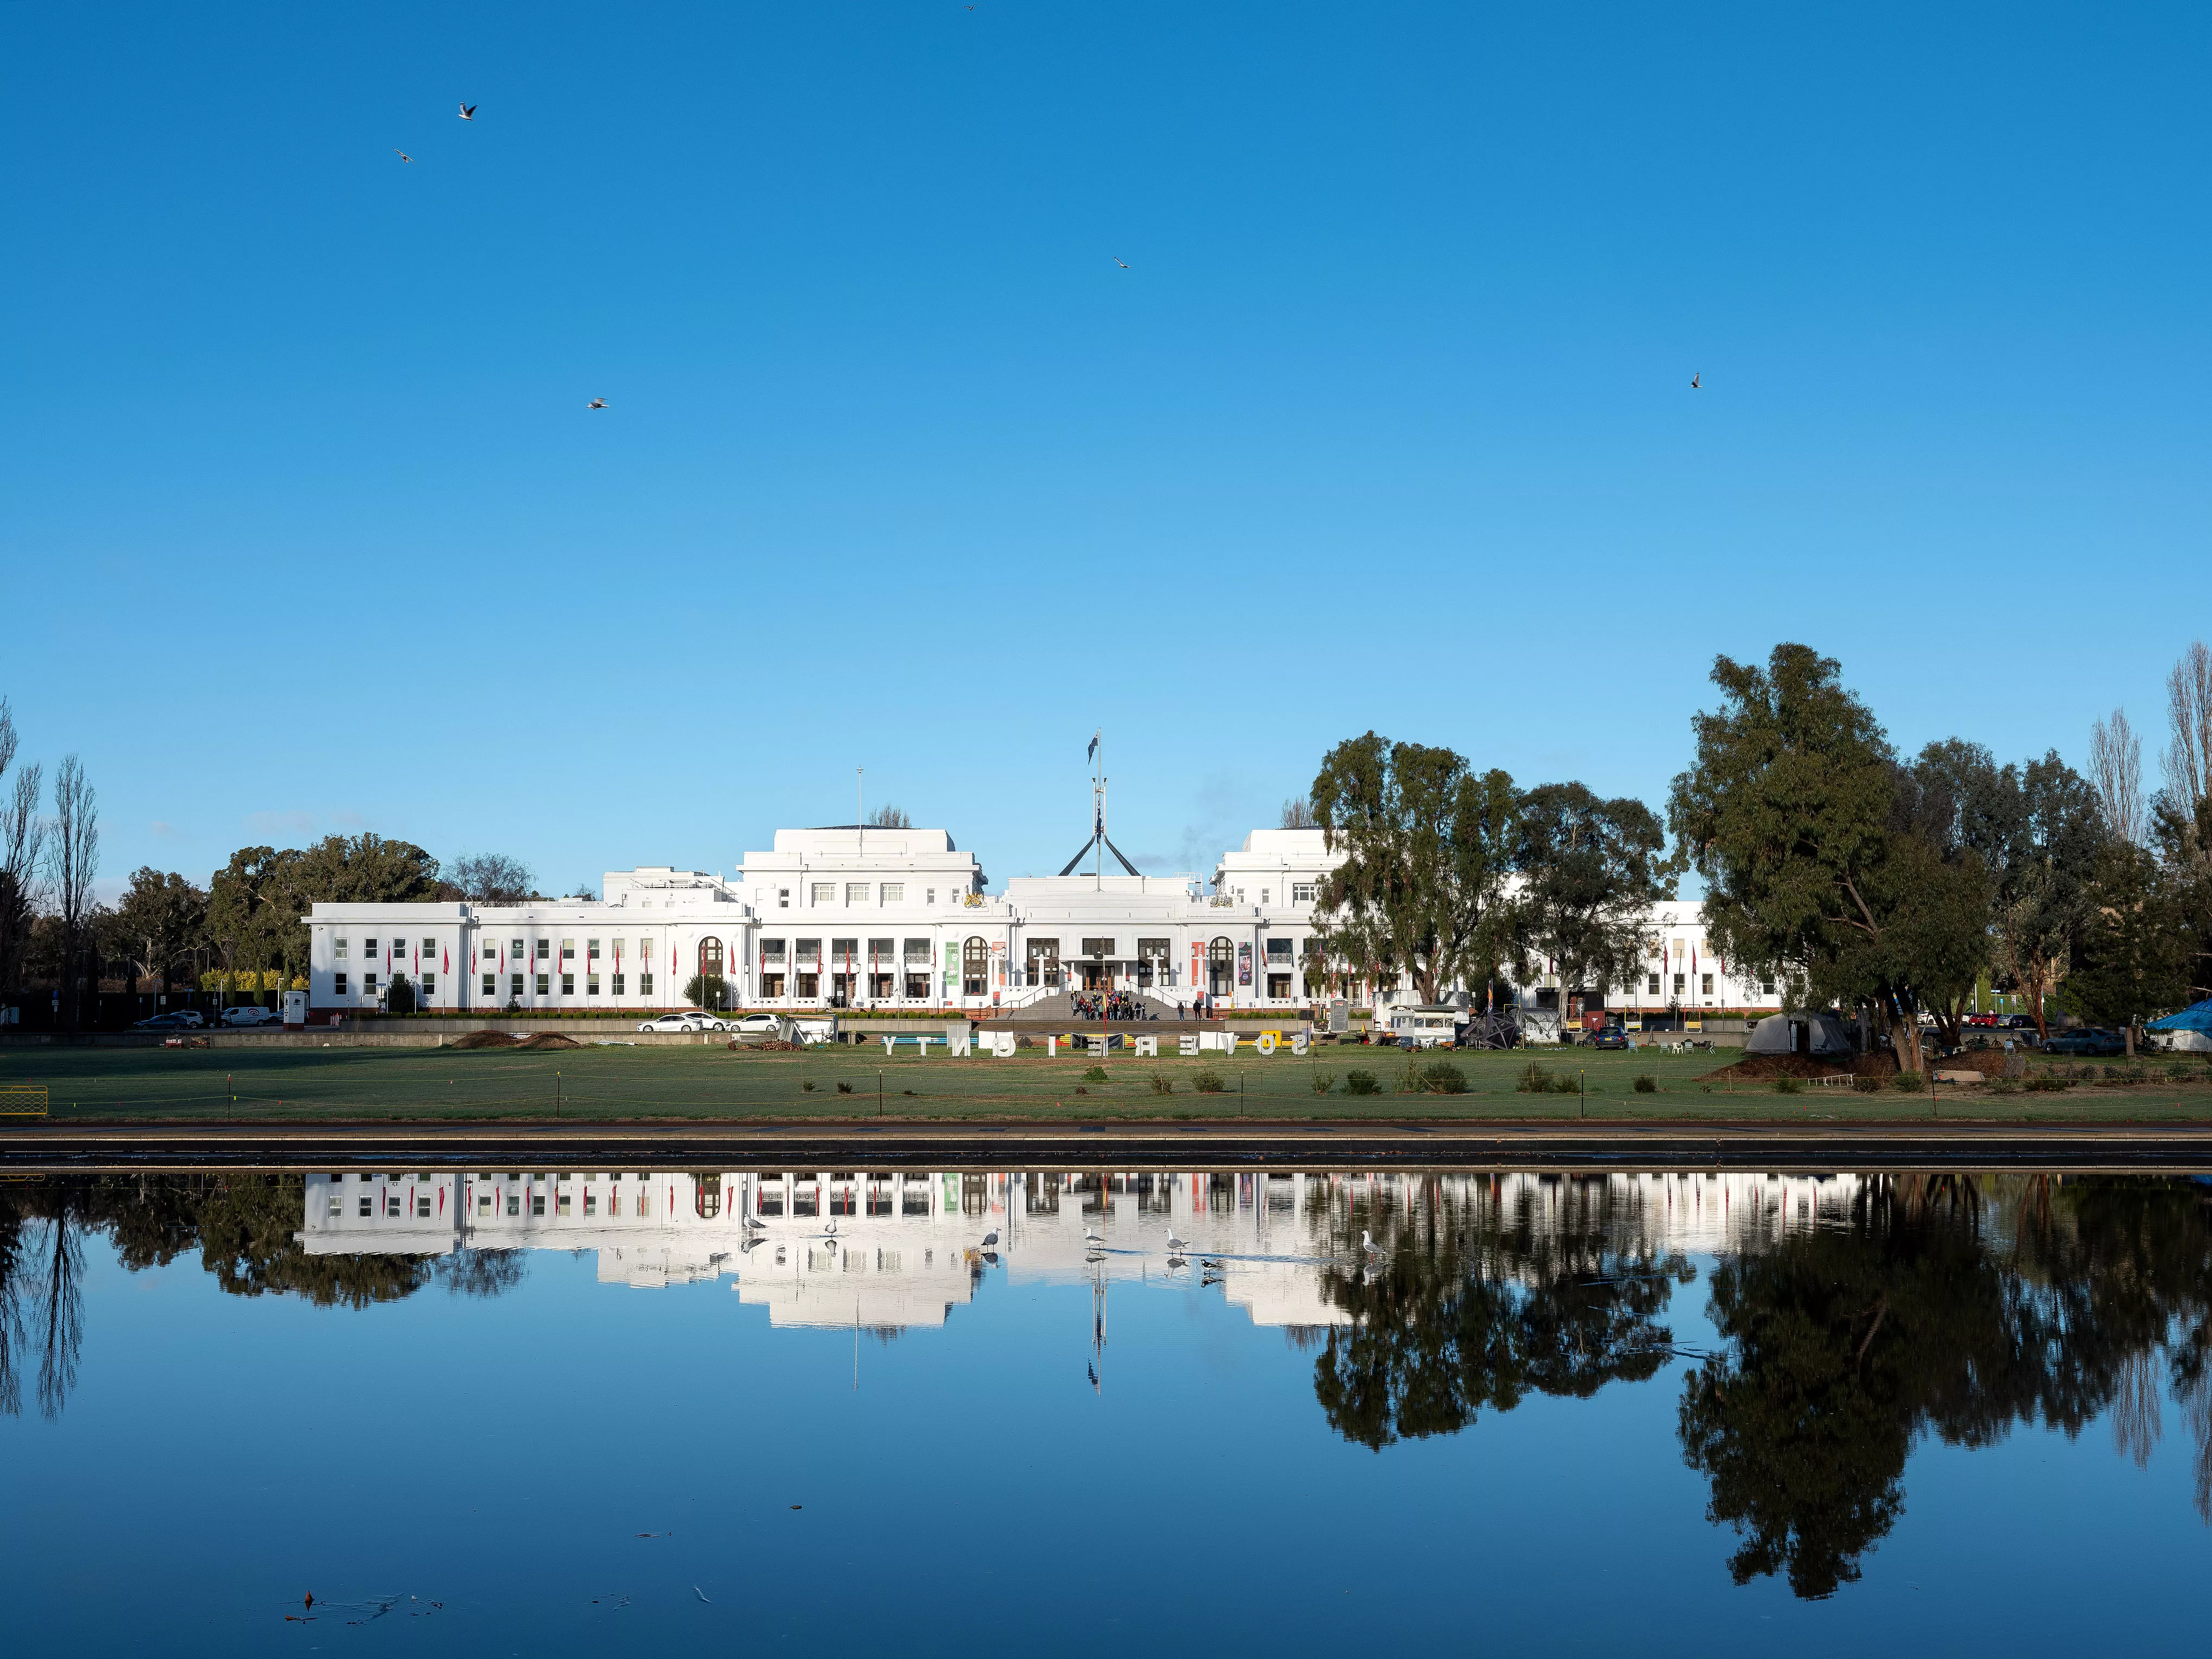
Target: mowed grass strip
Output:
[(705, 1083)]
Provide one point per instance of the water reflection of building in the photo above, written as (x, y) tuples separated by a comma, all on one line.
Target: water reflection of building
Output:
[(895, 1249)]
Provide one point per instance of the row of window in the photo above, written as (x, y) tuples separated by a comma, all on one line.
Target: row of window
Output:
[(857, 893), (1705, 985), (517, 950)]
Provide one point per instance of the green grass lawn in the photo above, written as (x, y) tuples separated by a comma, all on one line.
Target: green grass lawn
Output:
[(208, 1086)]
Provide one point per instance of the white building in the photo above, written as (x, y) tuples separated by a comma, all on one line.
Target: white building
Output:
[(899, 919)]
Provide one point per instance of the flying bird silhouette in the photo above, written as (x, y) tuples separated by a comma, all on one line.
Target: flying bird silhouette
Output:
[(1118, 260), (402, 154), (1694, 379), (597, 403), (468, 111)]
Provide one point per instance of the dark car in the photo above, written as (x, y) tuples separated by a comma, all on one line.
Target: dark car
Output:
[(2092, 1040), (184, 1019), (1612, 1037), (2018, 1022)]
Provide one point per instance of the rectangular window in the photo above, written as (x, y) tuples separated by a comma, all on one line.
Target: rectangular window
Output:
[(1654, 986), (568, 951), (1682, 983), (545, 985), (515, 948), (932, 899), (882, 952), (421, 1205), (590, 1202), (917, 953), (856, 892), (1302, 892), (616, 985), (339, 949), (825, 892), (561, 1202), (645, 985), (783, 898), (369, 985), (771, 985), (894, 892), (567, 985), (1098, 948), (429, 947), (771, 951), (369, 949), (544, 949), (430, 983), (338, 983), (810, 953), (591, 985), (365, 1202), (591, 950), (491, 985), (810, 985), (1708, 988), (1278, 984), (1279, 950), (514, 985), (1766, 988), (843, 952)]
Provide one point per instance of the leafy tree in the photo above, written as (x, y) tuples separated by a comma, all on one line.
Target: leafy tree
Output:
[(257, 904), (399, 995), (72, 861), (161, 918), (709, 991), (1427, 847), (888, 816), (1592, 871), (2135, 946), (1823, 858)]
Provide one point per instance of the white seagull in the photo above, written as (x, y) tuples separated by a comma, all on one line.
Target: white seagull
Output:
[(1366, 1241), (991, 1239), (1178, 1245), (1090, 1237), (468, 111)]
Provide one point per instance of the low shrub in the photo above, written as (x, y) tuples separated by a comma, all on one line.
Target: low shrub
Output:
[(844, 1088), (1646, 1083), (2004, 1086), (808, 1085), (1361, 1083), (1441, 1077), (1866, 1086), (2181, 1071), (1323, 1081), (1207, 1083), (1789, 1085), (1905, 1083), (1163, 1083), (1096, 1074), (2045, 1083), (1080, 1089), (1536, 1080)]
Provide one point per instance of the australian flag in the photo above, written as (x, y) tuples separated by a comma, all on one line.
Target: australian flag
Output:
[(1093, 753)]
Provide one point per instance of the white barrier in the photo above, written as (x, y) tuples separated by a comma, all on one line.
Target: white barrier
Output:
[(1148, 1047), (1267, 1043), (956, 1039), (1187, 1043)]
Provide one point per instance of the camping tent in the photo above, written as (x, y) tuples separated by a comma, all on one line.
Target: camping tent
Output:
[(1812, 1031), (2190, 1030)]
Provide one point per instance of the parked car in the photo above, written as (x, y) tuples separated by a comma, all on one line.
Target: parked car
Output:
[(1982, 1019), (756, 1024), (251, 1013), (695, 1019), (182, 1019), (2093, 1040), (2018, 1022), (1610, 1036)]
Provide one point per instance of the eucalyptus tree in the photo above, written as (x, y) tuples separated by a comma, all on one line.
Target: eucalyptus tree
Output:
[(161, 918), (1825, 860), (72, 862), (1428, 845), (1591, 870)]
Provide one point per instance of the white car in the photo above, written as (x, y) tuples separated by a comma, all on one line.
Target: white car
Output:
[(765, 1025), (695, 1020), (251, 1013)]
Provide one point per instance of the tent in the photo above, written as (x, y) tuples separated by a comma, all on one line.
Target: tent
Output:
[(1813, 1031), (2190, 1030)]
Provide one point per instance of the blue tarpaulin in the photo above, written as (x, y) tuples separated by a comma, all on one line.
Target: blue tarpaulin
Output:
[(2197, 1017)]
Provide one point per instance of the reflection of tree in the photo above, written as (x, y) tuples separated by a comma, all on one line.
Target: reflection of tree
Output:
[(11, 1303), (481, 1273), (1467, 1306), (1845, 1345)]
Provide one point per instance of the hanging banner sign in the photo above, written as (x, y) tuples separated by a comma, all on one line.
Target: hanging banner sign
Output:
[(1244, 963)]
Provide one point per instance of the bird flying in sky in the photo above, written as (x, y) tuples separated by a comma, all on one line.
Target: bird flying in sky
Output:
[(1694, 379), (402, 154), (468, 111), (597, 403), (1118, 260)]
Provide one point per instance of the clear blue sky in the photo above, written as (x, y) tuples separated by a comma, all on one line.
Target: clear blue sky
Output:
[(1388, 423)]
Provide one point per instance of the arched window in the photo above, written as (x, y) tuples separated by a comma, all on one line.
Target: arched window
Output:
[(974, 968), (710, 956), (707, 1194), (1220, 969)]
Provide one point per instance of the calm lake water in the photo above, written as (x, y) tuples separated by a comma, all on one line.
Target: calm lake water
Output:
[(524, 1412)]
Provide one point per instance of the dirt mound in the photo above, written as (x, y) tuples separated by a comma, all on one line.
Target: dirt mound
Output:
[(487, 1040), (766, 1045), (1760, 1068), (545, 1040)]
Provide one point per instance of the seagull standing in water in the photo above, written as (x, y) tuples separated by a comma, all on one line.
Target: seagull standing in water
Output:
[(1366, 1241), (1178, 1245), (1090, 1237), (991, 1239)]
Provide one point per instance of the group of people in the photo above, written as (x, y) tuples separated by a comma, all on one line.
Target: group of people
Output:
[(1111, 1005)]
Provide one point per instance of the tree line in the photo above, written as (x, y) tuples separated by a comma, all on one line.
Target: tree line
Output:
[(1844, 870), (240, 929)]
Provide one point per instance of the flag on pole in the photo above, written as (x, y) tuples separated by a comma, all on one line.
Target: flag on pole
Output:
[(1092, 752)]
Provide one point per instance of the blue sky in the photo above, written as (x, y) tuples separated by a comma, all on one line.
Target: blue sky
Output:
[(1387, 424)]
